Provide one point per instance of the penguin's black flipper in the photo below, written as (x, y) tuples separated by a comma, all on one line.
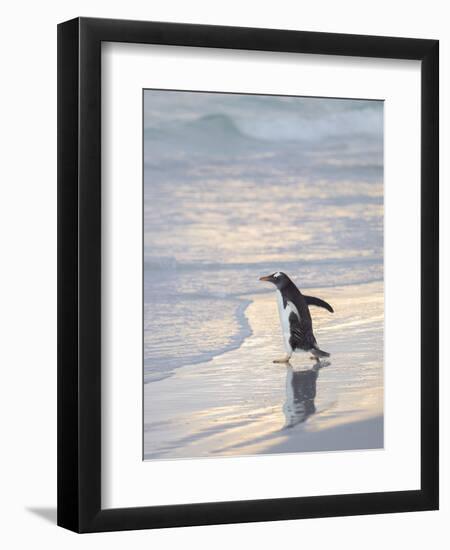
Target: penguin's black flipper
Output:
[(311, 301)]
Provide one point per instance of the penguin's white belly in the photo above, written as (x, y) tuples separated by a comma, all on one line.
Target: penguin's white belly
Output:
[(284, 313)]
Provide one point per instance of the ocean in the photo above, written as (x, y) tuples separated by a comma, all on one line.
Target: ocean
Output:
[(239, 186)]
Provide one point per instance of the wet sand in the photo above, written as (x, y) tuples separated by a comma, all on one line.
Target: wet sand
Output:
[(241, 403)]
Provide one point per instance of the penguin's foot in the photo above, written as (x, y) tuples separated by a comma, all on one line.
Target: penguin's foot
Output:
[(320, 364), (284, 359)]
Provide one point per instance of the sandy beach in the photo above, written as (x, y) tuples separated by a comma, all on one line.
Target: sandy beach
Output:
[(241, 403)]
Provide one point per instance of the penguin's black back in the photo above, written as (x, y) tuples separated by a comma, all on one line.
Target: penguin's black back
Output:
[(301, 331), (291, 293)]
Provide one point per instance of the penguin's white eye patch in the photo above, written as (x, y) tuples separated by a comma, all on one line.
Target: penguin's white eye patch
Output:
[(277, 274)]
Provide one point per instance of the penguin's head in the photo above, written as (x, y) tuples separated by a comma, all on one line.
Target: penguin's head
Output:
[(279, 279)]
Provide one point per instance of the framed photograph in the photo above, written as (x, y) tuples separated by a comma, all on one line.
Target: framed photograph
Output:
[(248, 274)]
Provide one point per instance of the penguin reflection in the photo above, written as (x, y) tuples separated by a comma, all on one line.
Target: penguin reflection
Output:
[(300, 394)]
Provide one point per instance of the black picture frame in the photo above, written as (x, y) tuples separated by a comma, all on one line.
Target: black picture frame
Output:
[(79, 274)]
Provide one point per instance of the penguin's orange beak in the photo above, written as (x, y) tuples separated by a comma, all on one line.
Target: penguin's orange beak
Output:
[(266, 278)]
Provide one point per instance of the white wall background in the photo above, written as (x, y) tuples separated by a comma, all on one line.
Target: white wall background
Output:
[(28, 270)]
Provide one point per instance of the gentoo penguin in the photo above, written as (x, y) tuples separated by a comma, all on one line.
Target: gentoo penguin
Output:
[(295, 318)]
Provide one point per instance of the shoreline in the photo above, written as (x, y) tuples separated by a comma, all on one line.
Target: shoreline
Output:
[(246, 329), (236, 342)]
